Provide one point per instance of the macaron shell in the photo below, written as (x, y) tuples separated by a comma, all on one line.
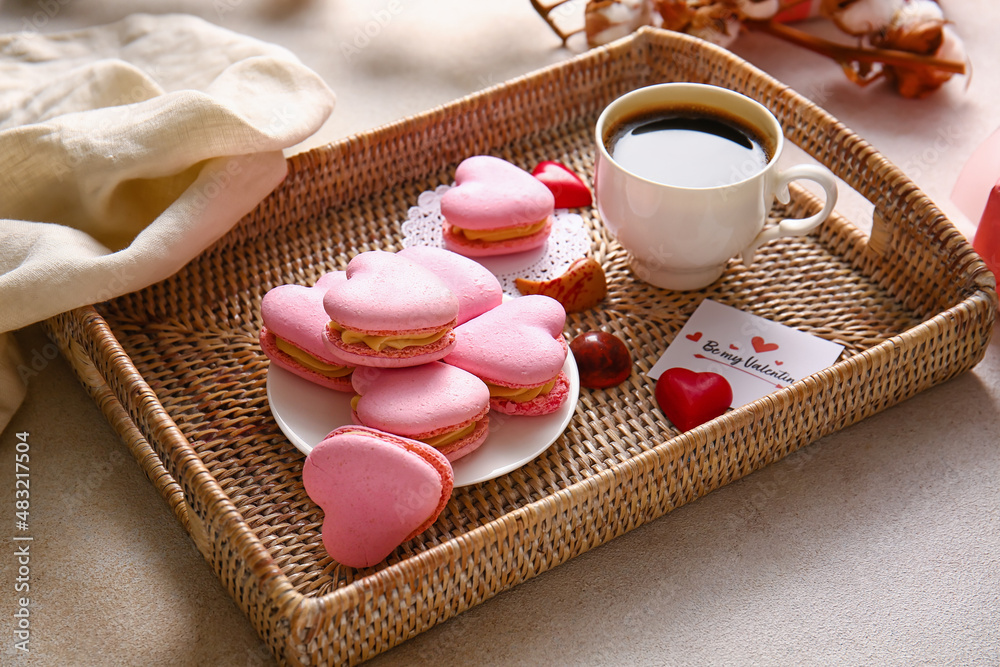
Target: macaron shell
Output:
[(296, 314), (420, 400), (541, 405), (518, 344), (359, 354), (468, 444), (476, 288), (286, 361), (491, 193), (376, 490), (460, 244), (389, 294)]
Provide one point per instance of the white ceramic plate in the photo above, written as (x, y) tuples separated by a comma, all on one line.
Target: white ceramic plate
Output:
[(306, 413)]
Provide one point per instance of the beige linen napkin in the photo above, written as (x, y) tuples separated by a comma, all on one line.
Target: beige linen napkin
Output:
[(126, 150)]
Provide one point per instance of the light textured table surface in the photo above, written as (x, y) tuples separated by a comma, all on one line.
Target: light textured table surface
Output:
[(877, 545)]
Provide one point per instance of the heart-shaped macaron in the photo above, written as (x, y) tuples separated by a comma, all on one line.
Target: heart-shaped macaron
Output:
[(476, 288), (495, 208), (390, 312), (690, 399), (293, 332), (376, 490), (517, 346), (568, 189), (435, 403)]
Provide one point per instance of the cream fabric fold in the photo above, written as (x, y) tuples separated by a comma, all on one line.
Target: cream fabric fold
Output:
[(126, 150)]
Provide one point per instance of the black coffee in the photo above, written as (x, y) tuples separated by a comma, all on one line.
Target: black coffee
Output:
[(688, 147)]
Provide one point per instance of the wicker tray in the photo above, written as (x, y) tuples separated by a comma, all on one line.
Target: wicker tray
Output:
[(178, 371)]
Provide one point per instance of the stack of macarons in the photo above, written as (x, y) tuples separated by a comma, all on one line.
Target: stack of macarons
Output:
[(424, 340), (409, 310)]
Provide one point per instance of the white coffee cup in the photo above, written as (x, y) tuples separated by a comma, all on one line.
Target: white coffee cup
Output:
[(681, 238)]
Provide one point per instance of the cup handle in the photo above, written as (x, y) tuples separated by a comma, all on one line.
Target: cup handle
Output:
[(796, 226)]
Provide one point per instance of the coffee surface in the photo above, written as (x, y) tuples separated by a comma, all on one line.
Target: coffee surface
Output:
[(688, 148)]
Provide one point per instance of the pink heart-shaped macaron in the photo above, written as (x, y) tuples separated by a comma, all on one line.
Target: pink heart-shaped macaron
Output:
[(476, 288), (388, 295), (376, 490), (295, 314), (519, 342), (425, 401), (492, 193), (386, 292), (517, 347)]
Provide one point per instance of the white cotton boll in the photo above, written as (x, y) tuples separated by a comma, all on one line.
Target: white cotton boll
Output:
[(916, 11), (611, 34), (623, 12), (758, 10), (608, 20), (617, 13), (952, 48), (866, 16)]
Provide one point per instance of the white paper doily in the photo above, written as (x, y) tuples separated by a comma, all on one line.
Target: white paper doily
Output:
[(568, 242)]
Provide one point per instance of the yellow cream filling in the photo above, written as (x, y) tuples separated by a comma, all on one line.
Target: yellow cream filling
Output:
[(500, 234), (449, 437), (521, 394), (311, 362), (439, 440), (379, 343)]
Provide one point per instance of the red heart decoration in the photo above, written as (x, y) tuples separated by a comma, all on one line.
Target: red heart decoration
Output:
[(569, 189), (695, 336), (779, 362), (733, 346), (760, 346), (690, 399)]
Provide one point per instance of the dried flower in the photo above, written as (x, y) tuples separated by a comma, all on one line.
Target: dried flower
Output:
[(916, 81), (907, 42), (919, 27), (675, 15)]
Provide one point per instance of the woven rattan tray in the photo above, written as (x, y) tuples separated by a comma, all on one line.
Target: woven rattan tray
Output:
[(178, 371)]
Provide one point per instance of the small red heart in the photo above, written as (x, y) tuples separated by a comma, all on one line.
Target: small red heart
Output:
[(733, 347), (760, 346), (695, 336), (690, 399), (569, 189), (778, 362)]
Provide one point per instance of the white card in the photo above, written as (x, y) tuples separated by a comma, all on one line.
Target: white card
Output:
[(757, 356)]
